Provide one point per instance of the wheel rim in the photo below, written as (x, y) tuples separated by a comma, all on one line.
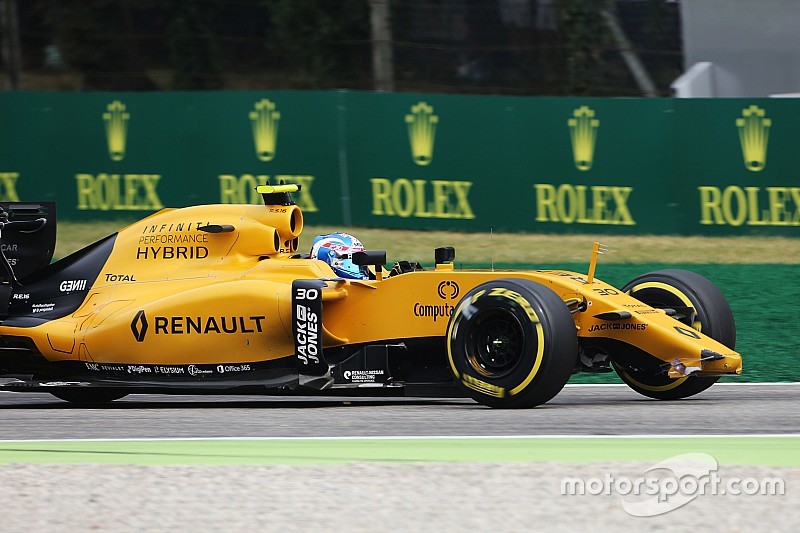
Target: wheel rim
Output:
[(497, 345)]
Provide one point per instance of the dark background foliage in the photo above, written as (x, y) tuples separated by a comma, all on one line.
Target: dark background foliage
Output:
[(545, 47)]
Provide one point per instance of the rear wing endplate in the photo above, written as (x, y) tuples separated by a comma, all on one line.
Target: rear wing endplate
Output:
[(27, 238)]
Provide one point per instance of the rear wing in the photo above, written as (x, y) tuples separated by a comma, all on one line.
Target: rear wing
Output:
[(278, 194), (27, 238)]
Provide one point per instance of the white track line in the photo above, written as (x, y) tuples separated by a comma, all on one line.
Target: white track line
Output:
[(417, 437), (743, 384)]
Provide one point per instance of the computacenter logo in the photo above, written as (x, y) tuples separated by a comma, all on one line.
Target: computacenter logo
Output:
[(583, 134), (264, 118), (422, 132), (753, 129), (116, 118), (671, 484)]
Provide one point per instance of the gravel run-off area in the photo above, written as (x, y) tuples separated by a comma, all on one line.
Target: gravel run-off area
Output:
[(367, 497)]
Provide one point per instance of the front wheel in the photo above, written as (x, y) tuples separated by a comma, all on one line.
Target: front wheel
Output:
[(512, 343), (698, 304)]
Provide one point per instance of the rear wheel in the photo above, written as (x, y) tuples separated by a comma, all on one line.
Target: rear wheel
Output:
[(512, 343), (699, 305), (88, 395)]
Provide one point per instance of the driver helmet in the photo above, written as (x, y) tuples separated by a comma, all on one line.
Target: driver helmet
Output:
[(337, 250)]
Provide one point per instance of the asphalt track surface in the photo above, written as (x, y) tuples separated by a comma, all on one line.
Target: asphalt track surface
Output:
[(735, 409)]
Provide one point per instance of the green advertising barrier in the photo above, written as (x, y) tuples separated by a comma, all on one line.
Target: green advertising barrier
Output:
[(112, 155), (471, 163), (507, 164), (740, 162)]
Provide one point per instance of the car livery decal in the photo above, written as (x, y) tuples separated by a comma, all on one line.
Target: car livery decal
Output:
[(60, 288), (307, 326)]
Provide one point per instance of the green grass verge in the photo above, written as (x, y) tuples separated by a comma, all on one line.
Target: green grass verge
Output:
[(534, 248), (773, 451)]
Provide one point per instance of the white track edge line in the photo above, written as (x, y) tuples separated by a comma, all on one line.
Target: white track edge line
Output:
[(413, 437)]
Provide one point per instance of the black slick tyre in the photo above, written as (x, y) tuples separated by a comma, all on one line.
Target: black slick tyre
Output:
[(88, 395), (512, 343), (698, 304)]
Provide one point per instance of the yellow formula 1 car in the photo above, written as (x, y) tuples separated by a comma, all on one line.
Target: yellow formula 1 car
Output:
[(216, 299)]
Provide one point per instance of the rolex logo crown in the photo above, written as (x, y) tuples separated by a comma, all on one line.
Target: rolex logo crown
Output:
[(116, 119), (264, 119), (422, 132), (753, 129), (583, 133)]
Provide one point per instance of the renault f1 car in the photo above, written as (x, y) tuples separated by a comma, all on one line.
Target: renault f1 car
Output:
[(216, 299)]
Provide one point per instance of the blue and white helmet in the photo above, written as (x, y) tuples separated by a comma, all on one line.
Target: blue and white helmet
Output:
[(337, 250)]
